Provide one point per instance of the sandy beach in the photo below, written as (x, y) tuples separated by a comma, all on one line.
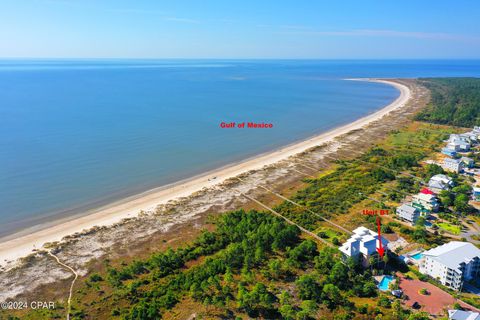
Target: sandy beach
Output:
[(22, 244)]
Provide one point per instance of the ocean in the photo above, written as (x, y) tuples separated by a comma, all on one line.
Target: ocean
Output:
[(75, 134)]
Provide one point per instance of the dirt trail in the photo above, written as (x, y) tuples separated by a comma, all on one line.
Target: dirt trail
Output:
[(70, 292)]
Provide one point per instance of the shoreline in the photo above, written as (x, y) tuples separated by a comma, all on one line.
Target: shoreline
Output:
[(23, 243)]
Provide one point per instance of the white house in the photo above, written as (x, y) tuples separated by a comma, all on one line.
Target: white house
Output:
[(452, 263), (440, 182), (462, 137), (454, 165), (408, 212), (463, 315), (458, 142), (363, 243), (425, 202), (453, 146)]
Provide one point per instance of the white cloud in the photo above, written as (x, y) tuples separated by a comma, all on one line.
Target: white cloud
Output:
[(184, 20), (387, 33)]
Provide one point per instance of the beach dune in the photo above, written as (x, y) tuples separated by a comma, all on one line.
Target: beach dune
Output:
[(21, 244)]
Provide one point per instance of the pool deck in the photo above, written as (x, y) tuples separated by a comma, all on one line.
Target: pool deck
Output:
[(412, 259), (414, 252), (378, 280)]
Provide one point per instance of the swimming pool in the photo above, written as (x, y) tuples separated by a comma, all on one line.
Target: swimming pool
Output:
[(383, 285), (417, 256)]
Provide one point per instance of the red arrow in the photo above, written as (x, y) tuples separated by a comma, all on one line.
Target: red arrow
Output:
[(380, 249)]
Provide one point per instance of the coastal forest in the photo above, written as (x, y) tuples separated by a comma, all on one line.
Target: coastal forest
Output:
[(253, 264), (454, 101)]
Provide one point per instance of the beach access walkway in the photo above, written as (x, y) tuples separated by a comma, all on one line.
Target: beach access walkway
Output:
[(70, 293)]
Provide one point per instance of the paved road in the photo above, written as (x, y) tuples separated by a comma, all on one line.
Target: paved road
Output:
[(473, 230)]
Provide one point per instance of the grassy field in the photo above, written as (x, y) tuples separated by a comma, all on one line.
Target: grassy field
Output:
[(453, 229)]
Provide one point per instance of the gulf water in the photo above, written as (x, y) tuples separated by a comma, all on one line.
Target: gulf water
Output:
[(76, 134)]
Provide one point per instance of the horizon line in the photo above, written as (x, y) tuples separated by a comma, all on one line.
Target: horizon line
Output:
[(230, 58)]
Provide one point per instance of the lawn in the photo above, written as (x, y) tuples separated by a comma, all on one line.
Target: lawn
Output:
[(449, 227)]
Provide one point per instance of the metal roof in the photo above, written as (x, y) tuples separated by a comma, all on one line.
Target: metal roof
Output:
[(463, 315), (452, 254)]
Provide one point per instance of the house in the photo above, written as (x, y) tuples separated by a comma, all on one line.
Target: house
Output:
[(471, 137), (453, 146), (452, 263), (408, 212), (453, 165), (363, 244), (425, 202), (463, 137), (458, 142), (476, 193), (468, 162), (440, 182), (463, 315), (459, 145), (449, 152)]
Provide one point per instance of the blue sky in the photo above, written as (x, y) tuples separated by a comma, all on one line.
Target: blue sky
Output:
[(356, 29)]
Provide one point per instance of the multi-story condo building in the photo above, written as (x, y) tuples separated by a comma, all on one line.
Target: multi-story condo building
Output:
[(452, 263)]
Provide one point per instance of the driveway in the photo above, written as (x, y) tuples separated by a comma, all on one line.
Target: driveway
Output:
[(435, 302), (473, 229)]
